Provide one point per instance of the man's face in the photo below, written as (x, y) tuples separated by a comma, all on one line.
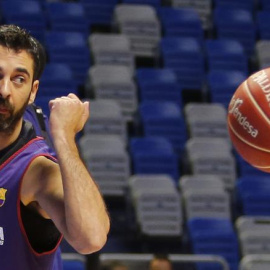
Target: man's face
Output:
[(17, 88)]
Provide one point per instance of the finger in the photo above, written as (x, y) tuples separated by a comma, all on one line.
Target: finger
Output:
[(73, 96), (86, 110)]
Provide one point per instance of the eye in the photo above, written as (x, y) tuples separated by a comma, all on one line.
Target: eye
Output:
[(19, 79)]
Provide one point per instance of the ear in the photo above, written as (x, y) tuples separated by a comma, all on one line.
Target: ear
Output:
[(33, 91)]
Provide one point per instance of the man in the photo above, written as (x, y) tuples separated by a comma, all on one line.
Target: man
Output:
[(115, 265), (160, 262), (41, 199)]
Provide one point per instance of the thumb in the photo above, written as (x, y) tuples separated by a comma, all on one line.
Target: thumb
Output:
[(86, 111)]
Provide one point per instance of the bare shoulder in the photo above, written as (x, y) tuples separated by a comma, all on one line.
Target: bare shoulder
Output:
[(41, 176)]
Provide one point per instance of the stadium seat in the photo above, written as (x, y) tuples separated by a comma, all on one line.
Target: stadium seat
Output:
[(155, 3), (223, 84), (107, 159), (238, 24), (241, 4), (215, 236), (226, 54), (263, 23), (185, 57), (111, 49), (66, 17), (26, 14), (159, 84), (253, 234), (181, 22), (202, 7), (141, 24), (262, 53), (116, 83), (255, 262), (106, 119), (244, 168), (212, 156), (157, 205), (164, 118), (253, 195), (206, 120), (69, 48), (205, 196), (99, 12), (265, 5), (153, 155), (57, 79)]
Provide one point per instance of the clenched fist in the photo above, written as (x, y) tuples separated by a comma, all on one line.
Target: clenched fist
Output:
[(68, 115)]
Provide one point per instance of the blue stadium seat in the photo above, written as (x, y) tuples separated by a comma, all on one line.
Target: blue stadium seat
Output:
[(223, 83), (246, 169), (154, 3), (241, 4), (27, 14), (185, 57), (226, 54), (161, 118), (99, 12), (69, 48), (158, 84), (57, 79), (67, 16), (253, 193), (214, 236), (153, 155), (182, 22), (265, 4), (238, 24), (263, 24)]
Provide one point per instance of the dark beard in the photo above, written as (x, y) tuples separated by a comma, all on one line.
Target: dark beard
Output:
[(8, 124)]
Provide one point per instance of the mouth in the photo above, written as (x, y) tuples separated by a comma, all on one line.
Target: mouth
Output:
[(3, 110)]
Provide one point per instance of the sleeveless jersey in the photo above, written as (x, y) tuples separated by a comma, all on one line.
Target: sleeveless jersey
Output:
[(15, 249)]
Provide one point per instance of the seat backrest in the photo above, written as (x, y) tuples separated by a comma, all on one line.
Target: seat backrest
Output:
[(62, 40), (156, 181), (150, 145), (201, 182), (109, 42), (133, 12), (101, 144), (109, 74), (159, 109)]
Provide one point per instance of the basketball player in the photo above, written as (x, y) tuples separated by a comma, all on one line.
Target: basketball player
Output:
[(41, 199)]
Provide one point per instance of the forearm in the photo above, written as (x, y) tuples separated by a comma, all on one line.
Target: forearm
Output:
[(86, 218)]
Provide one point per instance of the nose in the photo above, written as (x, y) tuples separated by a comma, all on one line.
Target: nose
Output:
[(4, 88)]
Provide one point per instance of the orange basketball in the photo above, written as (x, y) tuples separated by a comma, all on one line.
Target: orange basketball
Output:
[(249, 120)]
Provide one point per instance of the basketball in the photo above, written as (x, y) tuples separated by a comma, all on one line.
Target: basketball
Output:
[(249, 120)]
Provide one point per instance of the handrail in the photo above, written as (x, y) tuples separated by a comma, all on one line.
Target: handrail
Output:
[(253, 258), (185, 258)]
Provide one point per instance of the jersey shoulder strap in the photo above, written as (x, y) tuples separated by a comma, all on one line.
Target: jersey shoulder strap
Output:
[(35, 115)]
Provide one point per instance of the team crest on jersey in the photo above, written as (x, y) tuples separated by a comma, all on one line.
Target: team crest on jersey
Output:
[(2, 196)]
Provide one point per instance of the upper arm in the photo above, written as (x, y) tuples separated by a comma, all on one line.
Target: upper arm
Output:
[(42, 183)]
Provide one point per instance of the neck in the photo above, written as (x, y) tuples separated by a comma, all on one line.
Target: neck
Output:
[(7, 139)]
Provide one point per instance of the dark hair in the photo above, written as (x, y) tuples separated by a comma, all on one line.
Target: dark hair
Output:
[(15, 38)]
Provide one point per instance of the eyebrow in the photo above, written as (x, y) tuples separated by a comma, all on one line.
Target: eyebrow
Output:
[(23, 70), (20, 69)]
